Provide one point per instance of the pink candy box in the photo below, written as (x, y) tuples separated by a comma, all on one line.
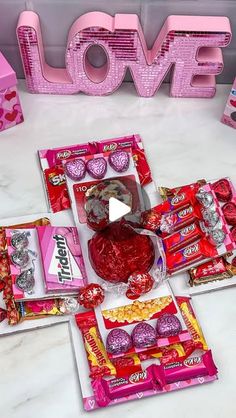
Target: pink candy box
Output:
[(62, 260), (10, 108)]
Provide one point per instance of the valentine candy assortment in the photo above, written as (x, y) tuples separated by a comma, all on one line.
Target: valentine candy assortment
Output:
[(54, 174), (111, 373), (23, 293), (229, 115), (133, 336), (45, 261), (195, 224)]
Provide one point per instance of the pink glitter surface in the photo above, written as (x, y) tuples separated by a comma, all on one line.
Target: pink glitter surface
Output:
[(188, 44)]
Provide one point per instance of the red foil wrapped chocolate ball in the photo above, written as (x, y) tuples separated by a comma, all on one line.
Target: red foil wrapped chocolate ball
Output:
[(91, 296), (139, 284), (118, 251)]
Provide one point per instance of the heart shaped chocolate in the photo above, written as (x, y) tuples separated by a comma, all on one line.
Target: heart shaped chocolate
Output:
[(168, 325), (229, 211), (233, 233), (119, 161), (97, 167), (75, 169), (222, 190)]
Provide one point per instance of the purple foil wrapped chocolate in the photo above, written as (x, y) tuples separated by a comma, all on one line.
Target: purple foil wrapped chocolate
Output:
[(97, 167), (143, 335), (75, 169), (118, 341), (168, 325), (119, 161)]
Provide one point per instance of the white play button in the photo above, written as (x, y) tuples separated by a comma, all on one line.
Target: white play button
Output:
[(117, 209)]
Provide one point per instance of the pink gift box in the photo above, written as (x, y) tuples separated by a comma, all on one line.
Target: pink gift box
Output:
[(10, 108), (229, 116)]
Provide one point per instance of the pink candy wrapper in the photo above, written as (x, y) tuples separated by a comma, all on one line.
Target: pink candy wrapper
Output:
[(190, 368), (153, 378), (62, 260), (106, 390)]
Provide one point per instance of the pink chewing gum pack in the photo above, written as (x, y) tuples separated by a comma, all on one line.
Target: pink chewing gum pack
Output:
[(62, 259)]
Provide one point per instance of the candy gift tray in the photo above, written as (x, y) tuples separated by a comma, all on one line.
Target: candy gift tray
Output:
[(137, 337)]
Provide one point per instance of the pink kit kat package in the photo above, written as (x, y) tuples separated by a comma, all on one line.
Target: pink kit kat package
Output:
[(10, 108), (62, 259)]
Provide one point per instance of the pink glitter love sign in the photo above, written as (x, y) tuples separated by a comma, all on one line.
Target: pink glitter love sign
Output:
[(190, 44)]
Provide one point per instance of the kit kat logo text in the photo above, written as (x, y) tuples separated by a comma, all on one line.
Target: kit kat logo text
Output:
[(188, 46)]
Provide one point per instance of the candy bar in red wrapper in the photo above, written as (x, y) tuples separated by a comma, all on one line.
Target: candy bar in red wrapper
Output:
[(56, 188), (182, 218), (3, 314), (182, 238), (166, 192), (4, 265), (99, 363), (189, 255), (142, 166), (190, 368), (212, 270), (127, 365), (107, 390)]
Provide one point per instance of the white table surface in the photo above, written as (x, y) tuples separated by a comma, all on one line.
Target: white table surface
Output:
[(184, 141)]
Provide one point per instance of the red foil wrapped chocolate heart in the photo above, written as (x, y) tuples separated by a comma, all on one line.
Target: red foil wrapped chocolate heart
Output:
[(233, 232), (118, 251), (229, 211), (222, 190)]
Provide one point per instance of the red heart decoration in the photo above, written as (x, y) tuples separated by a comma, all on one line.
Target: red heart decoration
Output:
[(10, 96), (233, 102), (222, 190), (11, 116), (229, 211), (1, 112)]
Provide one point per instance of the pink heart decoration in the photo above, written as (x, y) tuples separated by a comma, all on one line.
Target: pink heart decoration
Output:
[(1, 112), (91, 403)]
